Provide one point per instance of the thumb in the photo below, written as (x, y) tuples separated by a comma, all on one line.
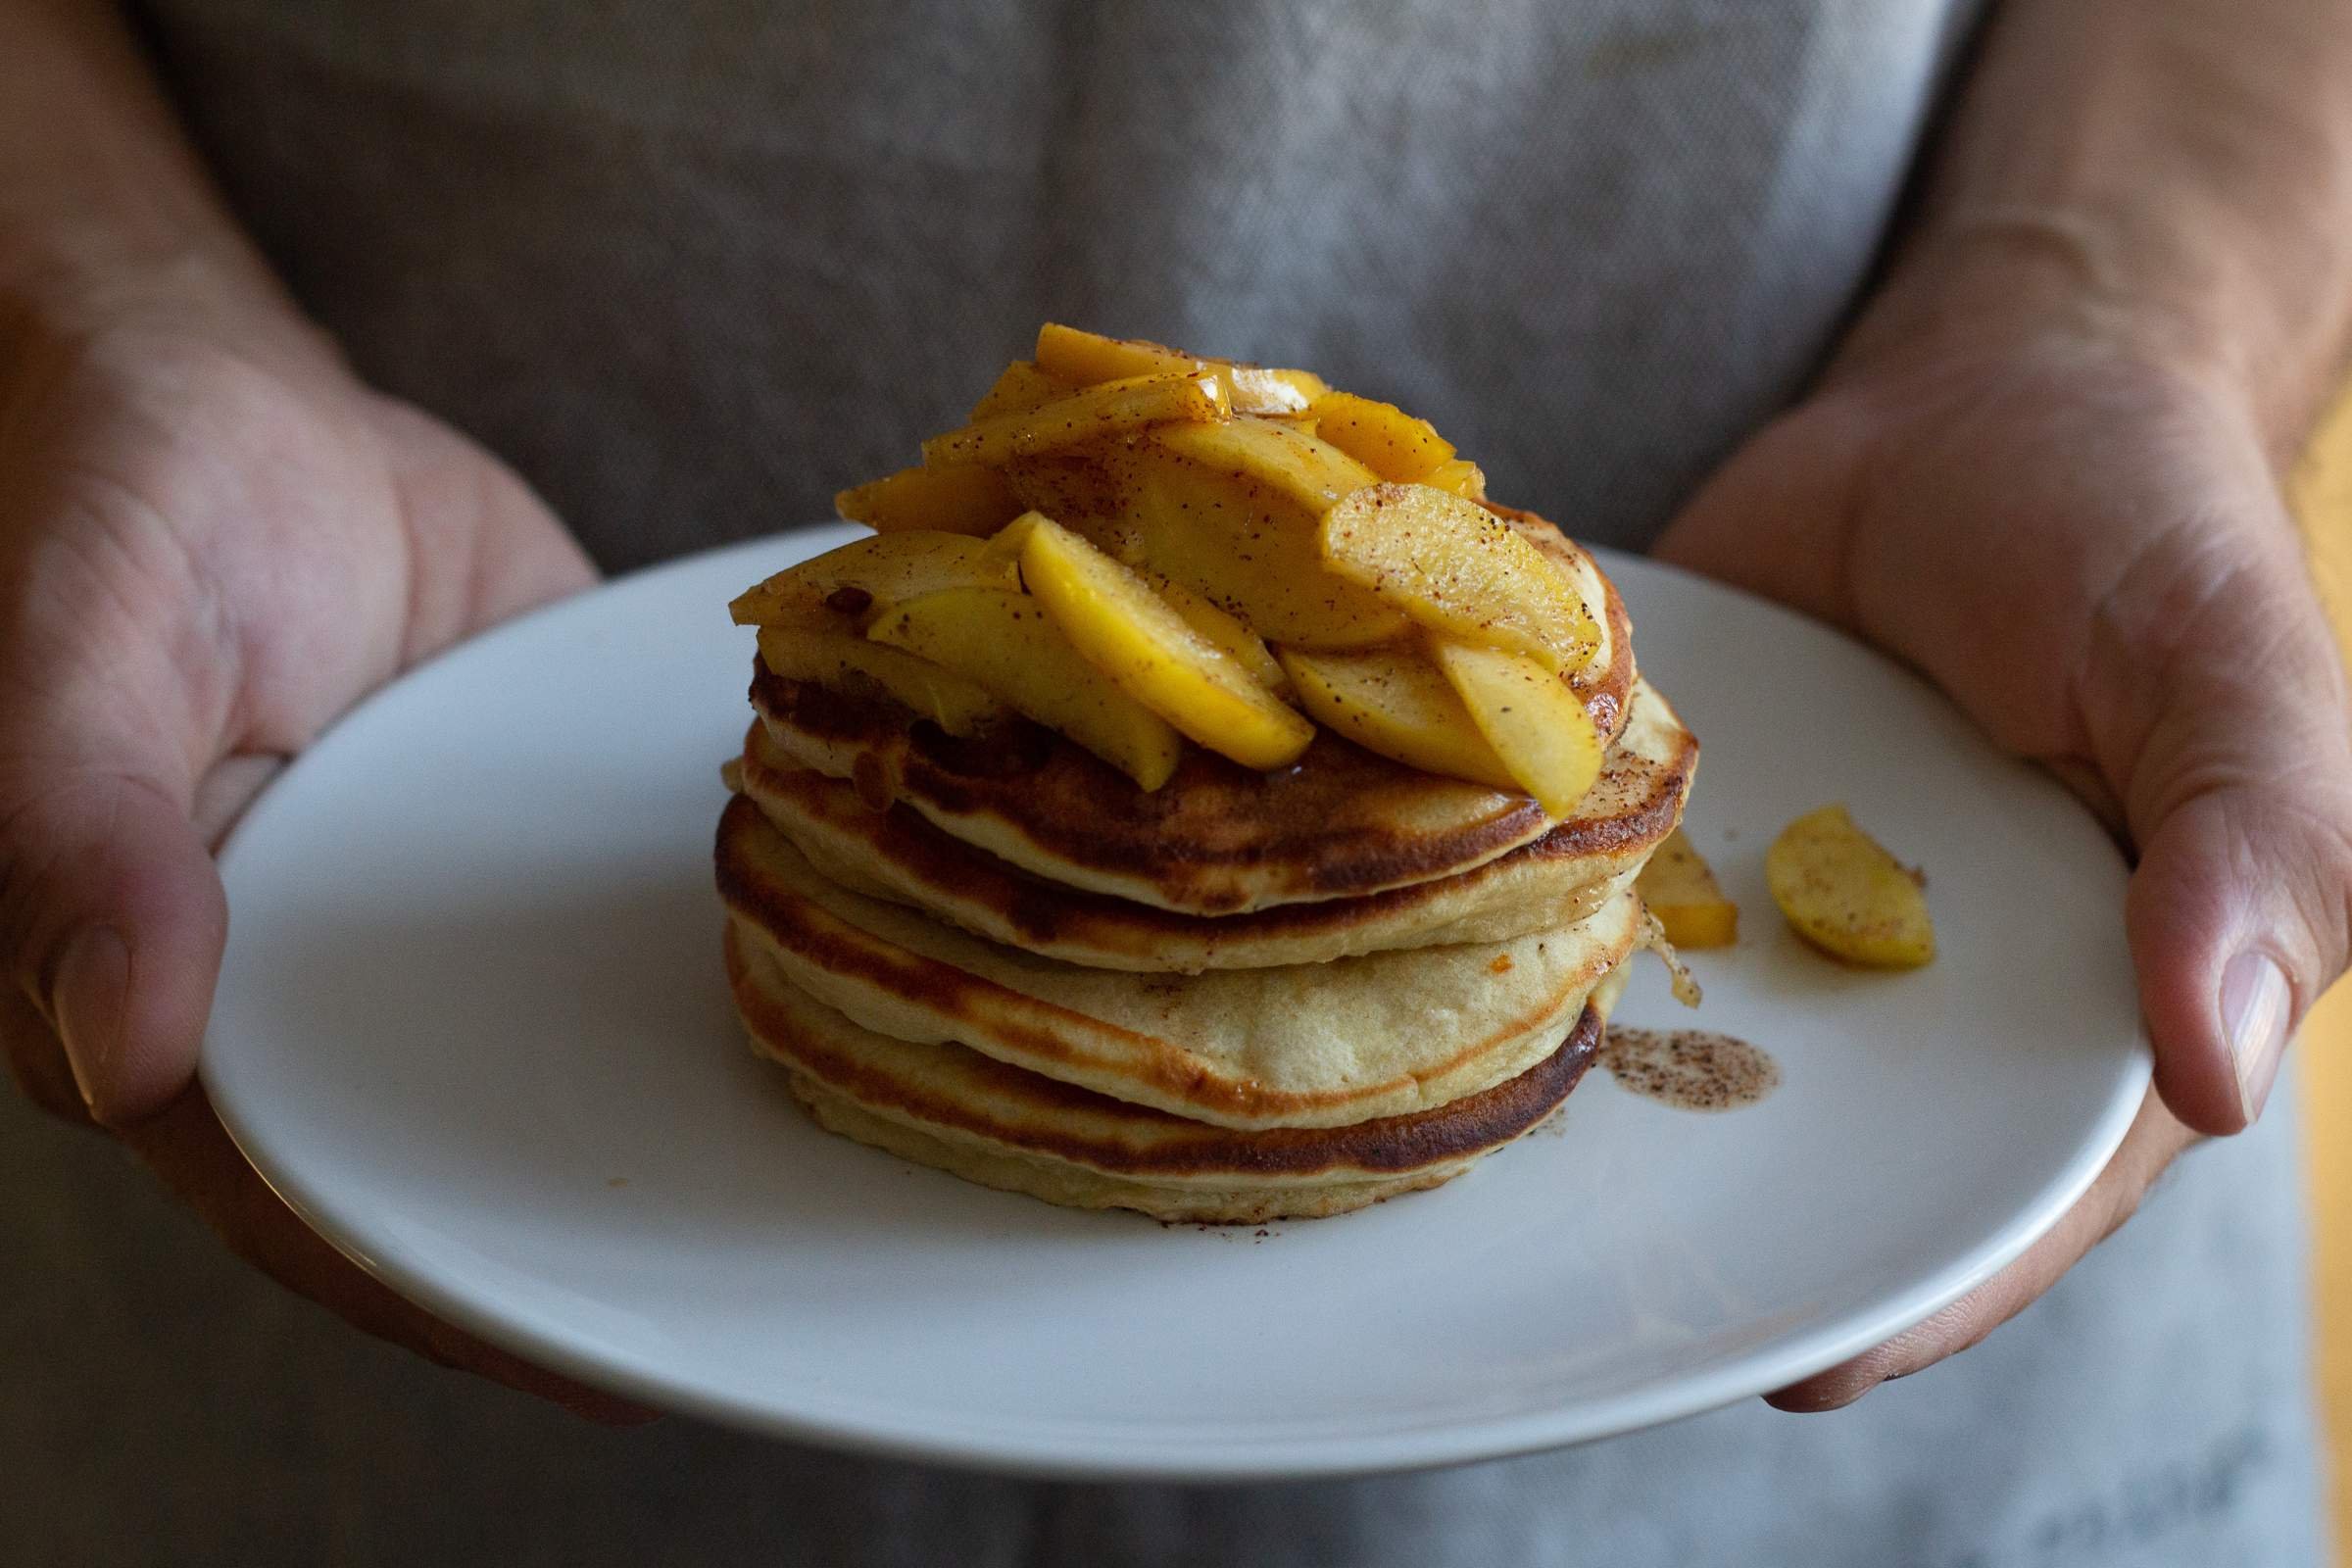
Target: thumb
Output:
[(2238, 791), (111, 923)]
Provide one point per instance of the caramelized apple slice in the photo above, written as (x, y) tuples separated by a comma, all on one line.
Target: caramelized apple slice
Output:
[(1457, 476), (1111, 408), (1125, 630), (866, 577), (1381, 436), (1460, 570), (1846, 894), (1534, 722), (1003, 642), (843, 659), (1395, 702), (1085, 358), (1022, 387), (965, 499), (1679, 889), (1231, 517), (1227, 632), (1302, 469)]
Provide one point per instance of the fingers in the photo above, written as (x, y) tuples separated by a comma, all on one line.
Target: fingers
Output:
[(186, 1145), (2156, 1137), (2222, 708), (112, 923)]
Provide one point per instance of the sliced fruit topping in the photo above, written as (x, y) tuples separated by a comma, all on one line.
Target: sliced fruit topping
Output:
[(1536, 723), (1085, 358), (1022, 387), (1227, 631), (883, 570), (847, 660), (1110, 409), (965, 499), (1003, 642), (1381, 436), (1462, 571), (1457, 476), (1395, 702), (1124, 629)]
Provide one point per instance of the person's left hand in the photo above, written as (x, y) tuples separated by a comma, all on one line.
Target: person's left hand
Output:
[(2079, 535)]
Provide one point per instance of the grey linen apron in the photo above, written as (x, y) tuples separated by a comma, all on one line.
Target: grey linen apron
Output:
[(692, 266)]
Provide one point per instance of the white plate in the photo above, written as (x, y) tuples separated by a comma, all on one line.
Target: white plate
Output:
[(472, 1027)]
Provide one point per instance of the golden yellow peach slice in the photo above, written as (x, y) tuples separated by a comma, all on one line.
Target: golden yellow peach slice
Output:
[(1125, 630), (1457, 476), (1227, 631), (866, 577), (1112, 408), (1462, 571), (1846, 895), (1022, 387), (965, 499), (843, 659), (1536, 723), (1381, 436), (1395, 702), (1227, 511), (1085, 358), (1004, 642), (1679, 889)]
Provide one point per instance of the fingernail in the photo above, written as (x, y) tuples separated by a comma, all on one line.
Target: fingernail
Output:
[(2255, 1001), (92, 980)]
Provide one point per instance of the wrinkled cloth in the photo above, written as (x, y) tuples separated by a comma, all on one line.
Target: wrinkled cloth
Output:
[(694, 266)]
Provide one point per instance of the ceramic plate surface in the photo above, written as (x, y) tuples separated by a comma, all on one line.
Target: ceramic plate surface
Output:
[(472, 1026)]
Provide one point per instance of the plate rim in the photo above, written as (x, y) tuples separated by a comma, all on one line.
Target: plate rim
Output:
[(1060, 1451)]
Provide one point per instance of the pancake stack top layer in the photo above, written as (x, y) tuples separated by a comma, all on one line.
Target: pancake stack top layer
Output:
[(1043, 867)]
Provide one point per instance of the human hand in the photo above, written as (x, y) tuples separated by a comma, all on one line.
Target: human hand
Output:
[(213, 541), (2076, 532)]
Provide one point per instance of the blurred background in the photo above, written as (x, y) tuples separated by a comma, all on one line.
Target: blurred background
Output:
[(2323, 495)]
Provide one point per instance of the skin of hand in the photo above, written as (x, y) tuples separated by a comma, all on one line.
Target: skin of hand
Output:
[(2075, 529), (214, 540)]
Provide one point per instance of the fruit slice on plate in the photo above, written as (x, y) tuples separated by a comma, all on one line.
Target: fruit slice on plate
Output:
[(1534, 722), (1124, 629), (1003, 642), (1845, 895), (1460, 570), (1396, 703), (863, 578), (1086, 358), (1679, 889), (1111, 408), (963, 499), (845, 659), (1381, 436)]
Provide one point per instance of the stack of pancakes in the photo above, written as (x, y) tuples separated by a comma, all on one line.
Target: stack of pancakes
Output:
[(1240, 997)]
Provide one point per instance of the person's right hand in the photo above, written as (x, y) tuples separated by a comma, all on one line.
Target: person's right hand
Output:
[(214, 540)]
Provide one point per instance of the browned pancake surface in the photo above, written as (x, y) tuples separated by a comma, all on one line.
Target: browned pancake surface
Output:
[(948, 1087)]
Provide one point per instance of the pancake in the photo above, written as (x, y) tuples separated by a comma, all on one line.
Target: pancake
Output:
[(945, 1106), (1306, 1044), (1217, 838), (1563, 877)]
